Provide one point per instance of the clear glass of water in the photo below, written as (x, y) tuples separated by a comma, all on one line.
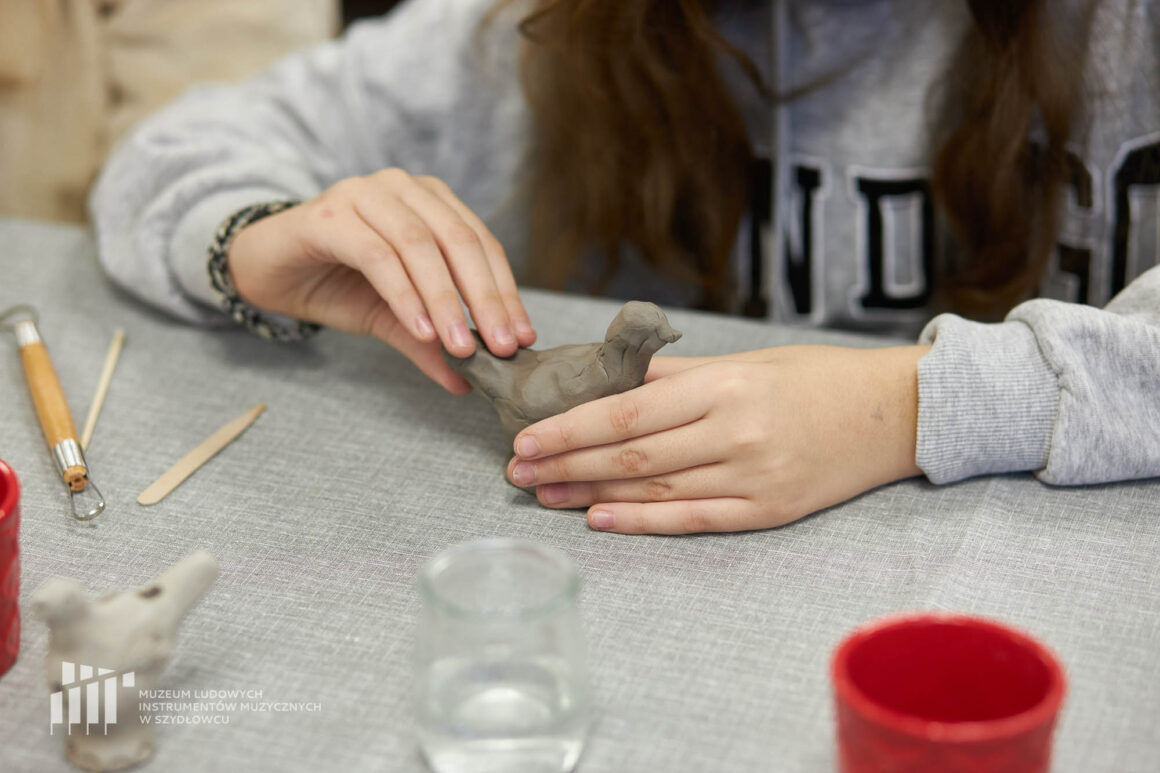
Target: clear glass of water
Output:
[(501, 683)]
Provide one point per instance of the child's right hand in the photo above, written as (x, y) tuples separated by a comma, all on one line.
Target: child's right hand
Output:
[(387, 255)]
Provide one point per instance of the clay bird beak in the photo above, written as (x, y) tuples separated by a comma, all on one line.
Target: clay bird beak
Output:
[(668, 334)]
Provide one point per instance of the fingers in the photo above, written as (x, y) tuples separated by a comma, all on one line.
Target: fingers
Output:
[(641, 457), (662, 367), (678, 517), (381, 323), (340, 298), (657, 406), (699, 482), (468, 266), (410, 239), (362, 311), (391, 256), (500, 268), (429, 359), (444, 257)]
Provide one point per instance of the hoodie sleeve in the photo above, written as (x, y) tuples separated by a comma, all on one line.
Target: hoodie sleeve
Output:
[(1069, 391), (379, 97)]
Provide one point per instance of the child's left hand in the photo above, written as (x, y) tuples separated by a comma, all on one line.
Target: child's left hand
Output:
[(743, 441)]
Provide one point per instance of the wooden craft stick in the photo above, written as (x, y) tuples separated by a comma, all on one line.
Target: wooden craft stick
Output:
[(102, 387), (189, 464)]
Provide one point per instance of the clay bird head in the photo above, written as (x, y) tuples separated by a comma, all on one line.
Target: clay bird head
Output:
[(641, 326)]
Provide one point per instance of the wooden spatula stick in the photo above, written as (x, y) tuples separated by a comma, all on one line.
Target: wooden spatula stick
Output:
[(189, 463)]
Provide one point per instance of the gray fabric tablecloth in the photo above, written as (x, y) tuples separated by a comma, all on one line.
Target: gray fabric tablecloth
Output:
[(707, 653)]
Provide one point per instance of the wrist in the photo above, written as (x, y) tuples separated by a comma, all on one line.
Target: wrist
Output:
[(246, 252), (896, 373), (241, 307)]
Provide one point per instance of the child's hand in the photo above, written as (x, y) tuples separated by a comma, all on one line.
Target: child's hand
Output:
[(744, 441), (387, 255)]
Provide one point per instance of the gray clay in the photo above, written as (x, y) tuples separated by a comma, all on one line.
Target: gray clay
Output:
[(127, 631), (534, 384)]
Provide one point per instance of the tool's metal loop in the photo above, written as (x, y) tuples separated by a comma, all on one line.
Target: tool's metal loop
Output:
[(5, 325), (93, 511)]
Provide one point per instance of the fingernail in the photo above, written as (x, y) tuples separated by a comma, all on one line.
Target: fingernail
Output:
[(503, 335), (523, 326), (524, 474), (600, 519), (527, 446), (424, 327), (554, 493), (459, 335)]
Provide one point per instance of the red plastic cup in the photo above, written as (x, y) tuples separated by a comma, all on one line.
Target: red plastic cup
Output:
[(9, 567), (944, 693)]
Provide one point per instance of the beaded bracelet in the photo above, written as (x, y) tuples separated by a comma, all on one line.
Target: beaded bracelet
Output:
[(267, 325)]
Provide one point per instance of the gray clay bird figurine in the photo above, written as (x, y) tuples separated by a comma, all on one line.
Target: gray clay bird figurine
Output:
[(534, 384)]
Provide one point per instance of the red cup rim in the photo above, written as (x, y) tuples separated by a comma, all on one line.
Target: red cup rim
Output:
[(947, 732), (12, 495)]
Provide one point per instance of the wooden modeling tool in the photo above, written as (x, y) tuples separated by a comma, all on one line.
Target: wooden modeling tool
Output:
[(52, 408), (102, 388), (189, 464)]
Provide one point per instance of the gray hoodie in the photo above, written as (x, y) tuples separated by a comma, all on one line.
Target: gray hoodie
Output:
[(1068, 386)]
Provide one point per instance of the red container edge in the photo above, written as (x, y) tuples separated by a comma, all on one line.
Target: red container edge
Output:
[(947, 732)]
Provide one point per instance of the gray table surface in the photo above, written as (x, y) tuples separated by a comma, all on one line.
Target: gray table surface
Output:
[(707, 653)]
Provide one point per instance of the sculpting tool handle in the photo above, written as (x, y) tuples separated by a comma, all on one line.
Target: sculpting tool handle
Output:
[(51, 406)]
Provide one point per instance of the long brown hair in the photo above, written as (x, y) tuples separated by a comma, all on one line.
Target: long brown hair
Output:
[(998, 187), (637, 142)]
